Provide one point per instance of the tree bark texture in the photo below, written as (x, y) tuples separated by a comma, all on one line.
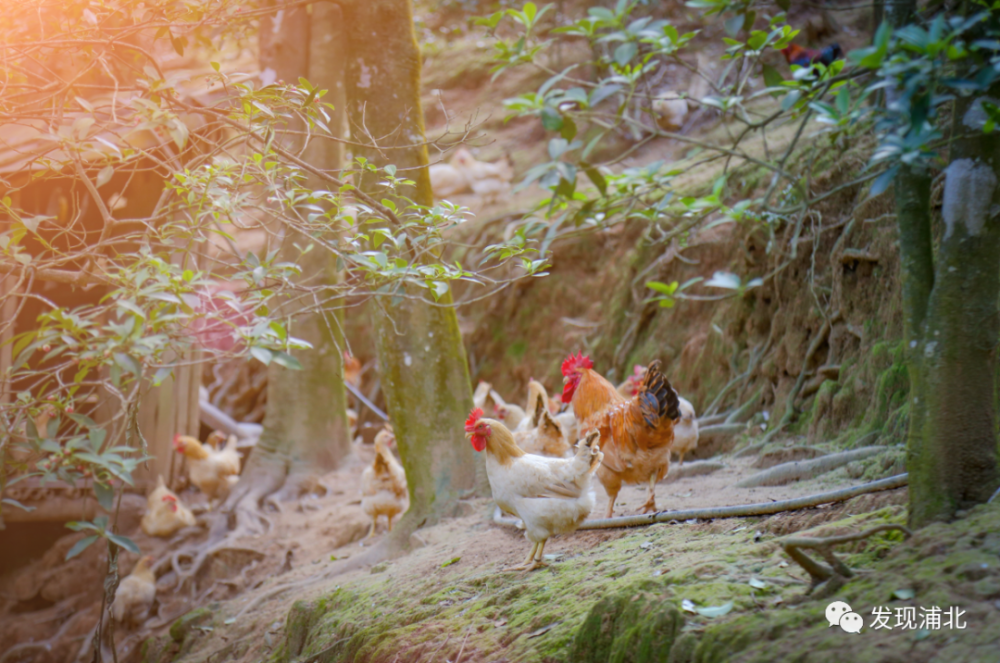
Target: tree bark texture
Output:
[(421, 357), (305, 425), (951, 316)]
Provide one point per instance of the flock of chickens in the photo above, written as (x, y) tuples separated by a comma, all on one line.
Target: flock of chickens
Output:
[(212, 467), (539, 459), (625, 435)]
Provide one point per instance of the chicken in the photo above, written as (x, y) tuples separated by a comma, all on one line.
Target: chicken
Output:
[(465, 174), (630, 386), (165, 513), (550, 495), (685, 431), (209, 469), (481, 393), (803, 57), (135, 594), (544, 435), (670, 110), (383, 483), (637, 433), (352, 370), (513, 416)]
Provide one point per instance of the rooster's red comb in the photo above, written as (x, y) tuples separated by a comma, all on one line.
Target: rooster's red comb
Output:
[(169, 498), (474, 416), (573, 362)]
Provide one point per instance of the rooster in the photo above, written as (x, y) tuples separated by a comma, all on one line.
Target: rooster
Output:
[(210, 469), (550, 495), (165, 514), (383, 483), (637, 432), (804, 57)]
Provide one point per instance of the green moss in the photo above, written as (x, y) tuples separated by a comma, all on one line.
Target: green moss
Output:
[(181, 629), (632, 626)]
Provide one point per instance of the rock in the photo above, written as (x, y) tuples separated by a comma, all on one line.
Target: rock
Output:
[(632, 626)]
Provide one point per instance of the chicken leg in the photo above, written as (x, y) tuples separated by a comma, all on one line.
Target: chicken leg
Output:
[(371, 532), (529, 562), (650, 505)]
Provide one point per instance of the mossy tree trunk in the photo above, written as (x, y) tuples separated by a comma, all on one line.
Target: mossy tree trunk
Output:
[(422, 361), (305, 425), (952, 320)]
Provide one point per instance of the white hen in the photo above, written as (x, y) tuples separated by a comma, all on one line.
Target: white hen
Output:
[(550, 495), (685, 431)]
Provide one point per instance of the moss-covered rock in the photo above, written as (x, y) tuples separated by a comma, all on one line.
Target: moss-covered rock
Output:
[(632, 626)]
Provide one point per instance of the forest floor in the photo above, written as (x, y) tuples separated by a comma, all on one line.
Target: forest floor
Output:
[(715, 590)]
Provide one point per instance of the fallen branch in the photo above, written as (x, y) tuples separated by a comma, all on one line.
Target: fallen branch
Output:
[(798, 470), (818, 571), (741, 511)]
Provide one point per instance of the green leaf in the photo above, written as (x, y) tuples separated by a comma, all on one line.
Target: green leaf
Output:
[(597, 178), (625, 52), (124, 542), (784, 4), (551, 119), (715, 610), (128, 363), (772, 77), (162, 374), (664, 288), (882, 182), (80, 546), (263, 355), (83, 420), (287, 360), (734, 24), (12, 502), (105, 496), (453, 560)]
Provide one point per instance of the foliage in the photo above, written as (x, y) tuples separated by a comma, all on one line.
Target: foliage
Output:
[(156, 271), (922, 66)]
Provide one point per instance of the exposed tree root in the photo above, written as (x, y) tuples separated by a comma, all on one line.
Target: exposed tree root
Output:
[(779, 475), (741, 511), (834, 568), (46, 644), (694, 469)]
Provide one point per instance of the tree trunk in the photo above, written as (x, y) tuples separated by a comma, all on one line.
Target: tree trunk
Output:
[(305, 425), (421, 358), (953, 456)]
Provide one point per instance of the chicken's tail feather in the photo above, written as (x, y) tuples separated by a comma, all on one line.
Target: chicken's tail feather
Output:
[(588, 446), (657, 399)]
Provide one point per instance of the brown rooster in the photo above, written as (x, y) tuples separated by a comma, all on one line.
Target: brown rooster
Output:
[(636, 433)]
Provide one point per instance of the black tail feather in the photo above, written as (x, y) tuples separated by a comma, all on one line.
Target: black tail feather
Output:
[(657, 399)]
